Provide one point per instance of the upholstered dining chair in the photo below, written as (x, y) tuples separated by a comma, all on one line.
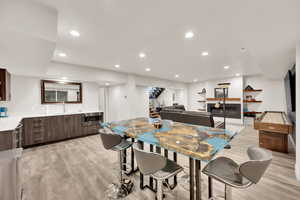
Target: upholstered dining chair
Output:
[(157, 167), (239, 176), (116, 143)]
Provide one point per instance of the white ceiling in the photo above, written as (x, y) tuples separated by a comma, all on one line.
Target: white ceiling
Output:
[(116, 31), (28, 34)]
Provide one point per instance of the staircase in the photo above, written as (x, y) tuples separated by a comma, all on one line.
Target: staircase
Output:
[(155, 92), (153, 95)]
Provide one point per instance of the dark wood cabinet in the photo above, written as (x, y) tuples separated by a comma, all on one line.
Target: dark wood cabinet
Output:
[(73, 126), (91, 129), (55, 129), (34, 131), (6, 140), (5, 91), (41, 130)]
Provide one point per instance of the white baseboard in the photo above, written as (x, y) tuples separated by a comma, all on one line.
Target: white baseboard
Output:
[(297, 171)]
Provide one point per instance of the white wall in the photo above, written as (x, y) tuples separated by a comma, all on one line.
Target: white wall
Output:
[(234, 90), (126, 97), (166, 97), (181, 97), (193, 95), (273, 94), (26, 98), (118, 106), (102, 100), (127, 101), (131, 100), (297, 167), (141, 102)]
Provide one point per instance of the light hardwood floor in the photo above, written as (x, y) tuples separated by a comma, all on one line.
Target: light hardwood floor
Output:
[(81, 169)]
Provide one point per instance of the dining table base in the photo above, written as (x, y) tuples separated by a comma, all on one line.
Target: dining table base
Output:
[(133, 170), (195, 179)]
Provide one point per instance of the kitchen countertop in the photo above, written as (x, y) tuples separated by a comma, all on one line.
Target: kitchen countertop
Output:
[(11, 122)]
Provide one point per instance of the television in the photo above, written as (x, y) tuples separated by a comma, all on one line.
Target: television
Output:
[(290, 93)]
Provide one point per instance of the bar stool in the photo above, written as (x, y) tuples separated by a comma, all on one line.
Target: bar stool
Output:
[(157, 167), (115, 142), (238, 176)]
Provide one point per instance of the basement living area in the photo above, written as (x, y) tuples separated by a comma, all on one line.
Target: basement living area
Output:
[(149, 100)]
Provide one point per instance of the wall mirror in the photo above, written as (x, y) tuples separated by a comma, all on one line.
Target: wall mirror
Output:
[(60, 92)]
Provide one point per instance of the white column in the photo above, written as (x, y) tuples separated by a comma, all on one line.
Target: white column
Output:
[(131, 96), (297, 167)]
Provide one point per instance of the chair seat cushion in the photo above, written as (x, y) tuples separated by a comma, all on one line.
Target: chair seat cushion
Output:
[(122, 146), (226, 171), (171, 169)]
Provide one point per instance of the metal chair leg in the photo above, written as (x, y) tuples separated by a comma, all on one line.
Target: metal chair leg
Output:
[(210, 188), (159, 190), (121, 166), (124, 187), (228, 192)]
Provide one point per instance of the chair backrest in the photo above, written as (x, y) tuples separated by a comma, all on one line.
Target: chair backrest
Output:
[(255, 168), (109, 139), (149, 163)]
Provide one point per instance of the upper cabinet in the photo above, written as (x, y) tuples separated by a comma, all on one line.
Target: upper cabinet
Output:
[(4, 85), (60, 92)]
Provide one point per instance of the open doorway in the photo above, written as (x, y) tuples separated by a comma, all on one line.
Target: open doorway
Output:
[(160, 98)]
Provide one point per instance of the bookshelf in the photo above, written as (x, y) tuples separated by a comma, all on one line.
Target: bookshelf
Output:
[(247, 92)]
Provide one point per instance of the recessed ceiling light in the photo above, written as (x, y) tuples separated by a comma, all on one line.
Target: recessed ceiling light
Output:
[(64, 78), (62, 54), (74, 33), (148, 69), (176, 75), (107, 84), (237, 74), (117, 66), (204, 53), (195, 80), (226, 67), (189, 35), (243, 49), (142, 55)]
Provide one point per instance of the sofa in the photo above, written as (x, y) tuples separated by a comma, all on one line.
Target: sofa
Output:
[(179, 114)]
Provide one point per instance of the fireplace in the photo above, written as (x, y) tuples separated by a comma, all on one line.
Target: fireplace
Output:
[(233, 110)]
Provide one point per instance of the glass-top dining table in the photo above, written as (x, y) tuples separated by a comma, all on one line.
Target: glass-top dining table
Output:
[(199, 143)]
